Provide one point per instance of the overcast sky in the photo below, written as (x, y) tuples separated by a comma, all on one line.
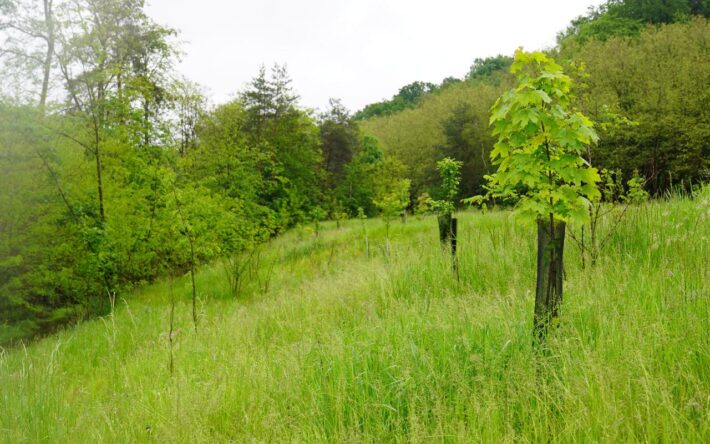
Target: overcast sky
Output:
[(359, 51)]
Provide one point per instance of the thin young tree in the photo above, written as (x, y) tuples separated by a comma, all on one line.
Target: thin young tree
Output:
[(27, 46), (392, 203), (191, 242), (541, 139), (363, 217), (450, 172)]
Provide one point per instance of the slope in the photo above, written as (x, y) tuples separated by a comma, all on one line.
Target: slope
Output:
[(328, 345)]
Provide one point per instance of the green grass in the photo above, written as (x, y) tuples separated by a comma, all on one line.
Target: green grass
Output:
[(327, 345)]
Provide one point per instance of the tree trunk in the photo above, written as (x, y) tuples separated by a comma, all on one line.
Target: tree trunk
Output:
[(454, 246), (99, 186), (444, 228), (387, 239), (192, 280), (47, 65), (548, 294)]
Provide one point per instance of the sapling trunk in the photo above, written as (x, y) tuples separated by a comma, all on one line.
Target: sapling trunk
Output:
[(172, 319), (194, 287), (362, 217), (190, 241), (444, 228), (454, 246), (548, 294), (387, 238)]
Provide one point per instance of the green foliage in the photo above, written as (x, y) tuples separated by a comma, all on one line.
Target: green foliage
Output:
[(489, 70), (131, 178), (603, 212), (288, 140), (451, 123), (450, 172), (392, 195), (423, 204), (407, 97), (363, 217), (317, 215), (540, 143), (635, 192), (358, 188), (467, 138), (340, 140), (338, 213), (612, 188), (628, 17), (361, 214), (650, 109), (486, 69), (664, 98)]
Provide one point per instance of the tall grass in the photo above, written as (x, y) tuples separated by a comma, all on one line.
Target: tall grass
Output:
[(339, 347)]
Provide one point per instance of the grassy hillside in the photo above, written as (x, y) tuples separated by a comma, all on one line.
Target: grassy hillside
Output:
[(328, 345)]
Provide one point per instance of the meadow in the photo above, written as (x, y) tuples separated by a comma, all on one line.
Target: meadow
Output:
[(328, 344)]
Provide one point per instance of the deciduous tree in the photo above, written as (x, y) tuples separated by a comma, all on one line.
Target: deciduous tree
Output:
[(541, 139)]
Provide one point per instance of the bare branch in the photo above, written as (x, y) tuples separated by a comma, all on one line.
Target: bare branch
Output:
[(26, 31), (57, 184), (20, 54), (70, 137)]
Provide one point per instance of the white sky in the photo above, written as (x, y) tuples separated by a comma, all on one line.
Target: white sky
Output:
[(359, 51)]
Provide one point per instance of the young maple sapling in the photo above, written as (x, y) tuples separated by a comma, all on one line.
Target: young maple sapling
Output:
[(541, 139), (450, 172)]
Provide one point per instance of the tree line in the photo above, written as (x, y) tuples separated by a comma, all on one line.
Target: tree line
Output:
[(645, 85)]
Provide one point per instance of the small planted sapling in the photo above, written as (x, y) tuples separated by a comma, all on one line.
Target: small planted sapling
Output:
[(450, 172), (172, 326), (339, 215), (541, 139), (187, 229), (392, 202), (317, 215), (589, 239), (362, 216)]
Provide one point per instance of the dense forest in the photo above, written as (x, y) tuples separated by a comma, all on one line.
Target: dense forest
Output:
[(115, 171)]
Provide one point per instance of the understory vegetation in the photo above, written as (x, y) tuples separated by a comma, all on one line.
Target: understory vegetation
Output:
[(335, 344)]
